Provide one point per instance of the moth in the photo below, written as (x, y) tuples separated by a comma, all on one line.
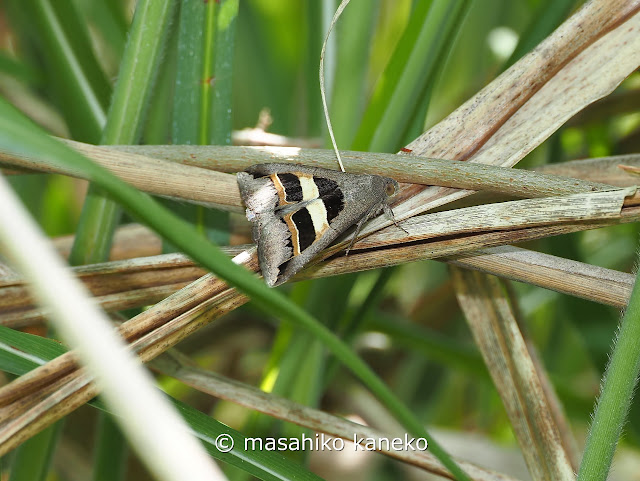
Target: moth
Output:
[(298, 211)]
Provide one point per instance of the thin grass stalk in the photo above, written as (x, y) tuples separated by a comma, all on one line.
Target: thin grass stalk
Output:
[(496, 333), (194, 184), (616, 394)]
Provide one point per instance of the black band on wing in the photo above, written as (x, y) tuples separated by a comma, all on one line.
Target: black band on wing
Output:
[(333, 203), (326, 186), (331, 195), (291, 186), (304, 224)]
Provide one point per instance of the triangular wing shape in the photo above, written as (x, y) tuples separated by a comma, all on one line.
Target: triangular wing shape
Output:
[(298, 211)]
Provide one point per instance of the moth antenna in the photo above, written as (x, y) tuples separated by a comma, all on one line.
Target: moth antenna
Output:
[(341, 7)]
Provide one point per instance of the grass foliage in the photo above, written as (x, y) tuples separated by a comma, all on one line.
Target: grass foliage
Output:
[(389, 348)]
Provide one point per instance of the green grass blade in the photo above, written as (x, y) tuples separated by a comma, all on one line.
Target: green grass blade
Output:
[(202, 96), (124, 122), (188, 90), (19, 70), (412, 68), (158, 125), (353, 36), (98, 221), (207, 75), (616, 395), (109, 18), (551, 13), (33, 457), (80, 87), (263, 464), (315, 31), (430, 344), (111, 451), (138, 68), (226, 18)]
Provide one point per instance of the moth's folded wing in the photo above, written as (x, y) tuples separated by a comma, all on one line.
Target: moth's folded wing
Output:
[(290, 237), (258, 194), (275, 248)]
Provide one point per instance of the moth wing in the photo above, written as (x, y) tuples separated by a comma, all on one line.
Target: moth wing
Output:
[(339, 226), (280, 237), (343, 202), (326, 204)]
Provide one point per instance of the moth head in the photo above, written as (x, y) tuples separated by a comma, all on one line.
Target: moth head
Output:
[(391, 187)]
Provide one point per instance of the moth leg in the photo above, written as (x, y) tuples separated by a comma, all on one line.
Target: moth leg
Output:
[(389, 212), (364, 219)]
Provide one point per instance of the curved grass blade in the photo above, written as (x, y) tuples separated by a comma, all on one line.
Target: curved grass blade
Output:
[(21, 352)]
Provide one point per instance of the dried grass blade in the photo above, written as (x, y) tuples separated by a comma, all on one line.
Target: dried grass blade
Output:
[(75, 388), (115, 285), (516, 214), (436, 248), (178, 366), (599, 169), (581, 62), (577, 279), (155, 176), (403, 168), (503, 348), (183, 301)]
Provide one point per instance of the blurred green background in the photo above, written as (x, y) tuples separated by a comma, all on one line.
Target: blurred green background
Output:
[(393, 69)]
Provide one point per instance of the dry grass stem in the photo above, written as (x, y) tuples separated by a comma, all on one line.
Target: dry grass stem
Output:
[(599, 169), (155, 176), (151, 333), (115, 285), (502, 216), (496, 333), (404, 168), (554, 405), (369, 259), (578, 279), (178, 366)]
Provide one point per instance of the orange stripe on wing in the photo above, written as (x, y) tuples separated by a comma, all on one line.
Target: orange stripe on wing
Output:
[(295, 239), (279, 188)]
